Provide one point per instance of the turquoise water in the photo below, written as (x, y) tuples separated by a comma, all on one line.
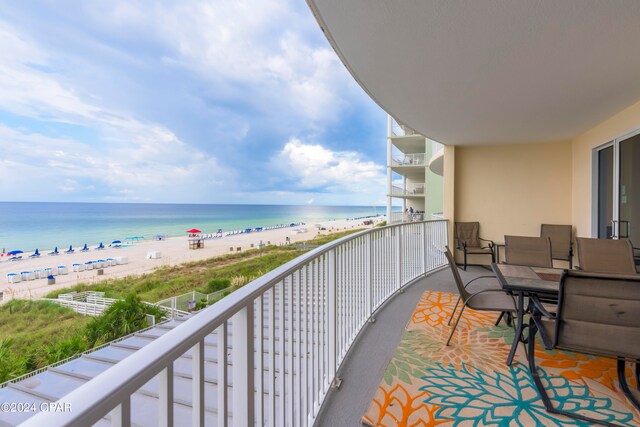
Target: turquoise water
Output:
[(27, 226)]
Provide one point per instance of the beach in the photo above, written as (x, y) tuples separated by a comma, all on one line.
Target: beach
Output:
[(173, 251)]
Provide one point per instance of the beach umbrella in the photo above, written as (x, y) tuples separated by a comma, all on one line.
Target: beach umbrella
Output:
[(194, 230), (16, 252), (115, 242)]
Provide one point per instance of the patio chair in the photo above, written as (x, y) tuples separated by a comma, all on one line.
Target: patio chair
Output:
[(606, 255), (484, 300), (561, 241), (468, 240), (597, 315), (530, 251)]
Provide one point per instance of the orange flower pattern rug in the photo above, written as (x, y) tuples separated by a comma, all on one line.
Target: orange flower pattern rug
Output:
[(469, 383)]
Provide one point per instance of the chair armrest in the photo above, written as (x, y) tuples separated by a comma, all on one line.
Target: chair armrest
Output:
[(481, 277), (536, 317), (491, 242), (539, 308), (515, 305)]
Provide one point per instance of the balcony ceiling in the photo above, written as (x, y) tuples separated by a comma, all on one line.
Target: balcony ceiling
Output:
[(492, 71)]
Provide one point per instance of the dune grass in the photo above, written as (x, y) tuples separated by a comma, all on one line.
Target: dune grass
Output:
[(41, 322), (169, 281), (34, 334)]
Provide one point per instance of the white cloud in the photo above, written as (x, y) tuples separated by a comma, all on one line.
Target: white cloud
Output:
[(318, 168), (231, 42), (161, 168)]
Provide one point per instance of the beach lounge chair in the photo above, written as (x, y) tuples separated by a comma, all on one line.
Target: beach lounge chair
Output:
[(36, 254), (85, 249), (70, 250), (55, 252), (15, 258), (99, 247)]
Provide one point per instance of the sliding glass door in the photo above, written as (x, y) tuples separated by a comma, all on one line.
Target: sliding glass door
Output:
[(618, 189)]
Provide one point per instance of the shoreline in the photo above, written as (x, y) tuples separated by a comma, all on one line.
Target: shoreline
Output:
[(173, 250)]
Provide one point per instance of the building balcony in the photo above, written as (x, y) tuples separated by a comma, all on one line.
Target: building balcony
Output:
[(353, 332), (412, 190), (412, 159), (268, 354)]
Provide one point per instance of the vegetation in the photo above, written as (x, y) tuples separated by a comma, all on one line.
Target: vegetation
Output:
[(205, 276), (34, 334), (381, 224)]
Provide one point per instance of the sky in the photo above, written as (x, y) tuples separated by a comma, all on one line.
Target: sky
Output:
[(181, 102)]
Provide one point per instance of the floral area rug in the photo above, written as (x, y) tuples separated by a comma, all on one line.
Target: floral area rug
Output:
[(469, 383)]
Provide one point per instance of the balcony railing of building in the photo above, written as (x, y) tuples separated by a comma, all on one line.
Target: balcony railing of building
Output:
[(411, 190), (403, 217), (416, 159), (268, 353)]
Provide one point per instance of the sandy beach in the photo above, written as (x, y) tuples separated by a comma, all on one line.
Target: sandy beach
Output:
[(174, 250)]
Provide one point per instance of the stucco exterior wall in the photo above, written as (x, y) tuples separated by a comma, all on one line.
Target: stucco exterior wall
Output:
[(512, 189)]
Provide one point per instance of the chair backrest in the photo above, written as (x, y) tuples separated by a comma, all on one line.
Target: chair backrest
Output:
[(469, 232), (456, 275), (531, 251), (598, 314), (560, 236), (606, 255)]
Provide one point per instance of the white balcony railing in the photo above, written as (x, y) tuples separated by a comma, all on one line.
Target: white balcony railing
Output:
[(403, 217), (411, 190), (268, 353), (416, 159)]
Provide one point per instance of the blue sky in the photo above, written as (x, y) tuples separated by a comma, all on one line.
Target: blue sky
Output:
[(181, 102)]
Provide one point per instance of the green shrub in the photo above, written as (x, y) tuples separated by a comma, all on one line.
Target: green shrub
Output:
[(122, 318)]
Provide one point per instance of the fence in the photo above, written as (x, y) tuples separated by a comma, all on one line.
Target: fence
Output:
[(292, 326), (181, 305)]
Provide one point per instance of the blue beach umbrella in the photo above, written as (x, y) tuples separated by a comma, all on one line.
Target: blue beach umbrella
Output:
[(16, 252), (116, 241)]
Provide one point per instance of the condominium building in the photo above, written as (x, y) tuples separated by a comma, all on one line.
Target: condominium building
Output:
[(414, 175)]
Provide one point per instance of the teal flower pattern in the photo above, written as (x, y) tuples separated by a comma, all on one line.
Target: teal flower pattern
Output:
[(471, 397)]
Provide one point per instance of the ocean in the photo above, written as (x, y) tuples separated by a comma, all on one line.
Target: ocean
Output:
[(29, 225)]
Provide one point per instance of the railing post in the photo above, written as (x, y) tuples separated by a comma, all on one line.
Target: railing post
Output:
[(423, 245), (121, 414), (165, 397), (197, 382), (243, 372), (369, 276), (332, 324), (399, 258)]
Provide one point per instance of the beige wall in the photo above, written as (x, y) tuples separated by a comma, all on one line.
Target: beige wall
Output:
[(512, 189), (622, 123)]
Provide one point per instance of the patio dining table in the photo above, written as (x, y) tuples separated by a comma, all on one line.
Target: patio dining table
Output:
[(522, 281)]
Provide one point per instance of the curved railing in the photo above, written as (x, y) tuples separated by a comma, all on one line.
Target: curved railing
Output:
[(293, 325)]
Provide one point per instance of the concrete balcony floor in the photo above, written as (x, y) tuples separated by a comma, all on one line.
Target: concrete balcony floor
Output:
[(364, 367)]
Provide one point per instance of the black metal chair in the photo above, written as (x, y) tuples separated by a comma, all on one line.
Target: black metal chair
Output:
[(561, 241), (468, 240), (598, 315), (483, 300)]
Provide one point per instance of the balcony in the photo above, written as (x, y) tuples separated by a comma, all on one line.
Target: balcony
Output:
[(414, 159), (268, 354), (412, 190)]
